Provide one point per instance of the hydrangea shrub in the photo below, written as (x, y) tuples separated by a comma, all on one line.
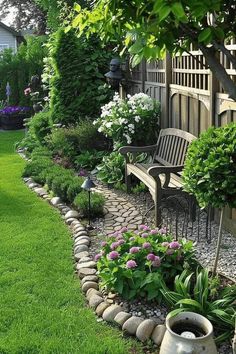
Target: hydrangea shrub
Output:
[(130, 120), (136, 263)]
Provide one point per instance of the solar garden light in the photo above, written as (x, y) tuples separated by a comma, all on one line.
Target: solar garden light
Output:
[(87, 186)]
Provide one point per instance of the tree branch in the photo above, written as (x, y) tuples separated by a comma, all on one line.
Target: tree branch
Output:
[(219, 71), (224, 50)]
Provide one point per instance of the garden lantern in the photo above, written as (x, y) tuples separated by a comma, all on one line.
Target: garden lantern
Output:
[(114, 76), (87, 186)]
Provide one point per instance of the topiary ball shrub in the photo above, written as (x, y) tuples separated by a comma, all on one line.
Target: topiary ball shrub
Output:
[(210, 167), (139, 263), (97, 204)]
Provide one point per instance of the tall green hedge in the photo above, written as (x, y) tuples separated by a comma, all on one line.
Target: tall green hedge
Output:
[(77, 86), (18, 68)]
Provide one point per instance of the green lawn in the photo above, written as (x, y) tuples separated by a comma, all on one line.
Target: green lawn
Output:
[(42, 309)]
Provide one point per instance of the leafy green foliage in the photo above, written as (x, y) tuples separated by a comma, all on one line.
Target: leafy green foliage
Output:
[(96, 206), (151, 29), (89, 159), (199, 297), (210, 167), (76, 87), (112, 168), (40, 126), (18, 68), (128, 261)]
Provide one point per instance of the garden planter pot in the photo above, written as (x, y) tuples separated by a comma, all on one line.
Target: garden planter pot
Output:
[(12, 122), (188, 333)]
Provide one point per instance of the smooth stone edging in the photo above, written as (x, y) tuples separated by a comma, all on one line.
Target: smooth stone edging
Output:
[(143, 329)]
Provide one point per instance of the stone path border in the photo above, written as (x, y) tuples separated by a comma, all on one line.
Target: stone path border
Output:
[(103, 306)]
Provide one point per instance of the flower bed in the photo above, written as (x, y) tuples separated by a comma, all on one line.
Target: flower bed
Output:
[(12, 117)]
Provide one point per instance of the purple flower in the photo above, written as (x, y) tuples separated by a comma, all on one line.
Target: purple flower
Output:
[(132, 239), (82, 173), (169, 252), (119, 237), (124, 229), (97, 257), (134, 249), (144, 235), (165, 244), (114, 245), (146, 245), (151, 257), (175, 245), (121, 242), (163, 231), (156, 262), (103, 243), (154, 232), (131, 264), (113, 255), (14, 109), (144, 227)]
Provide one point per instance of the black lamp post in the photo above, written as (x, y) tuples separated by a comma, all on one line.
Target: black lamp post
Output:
[(87, 186)]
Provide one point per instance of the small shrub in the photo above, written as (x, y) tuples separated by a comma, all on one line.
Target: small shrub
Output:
[(139, 263), (89, 138), (74, 188), (60, 144), (40, 126), (210, 167), (60, 185), (97, 204), (35, 168)]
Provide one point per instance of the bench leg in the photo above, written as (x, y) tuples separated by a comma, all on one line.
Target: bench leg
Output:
[(128, 183)]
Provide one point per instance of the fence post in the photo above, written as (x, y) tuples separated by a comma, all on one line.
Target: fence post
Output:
[(143, 75), (166, 111), (213, 88)]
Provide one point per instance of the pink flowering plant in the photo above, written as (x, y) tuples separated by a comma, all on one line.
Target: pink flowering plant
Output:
[(140, 263)]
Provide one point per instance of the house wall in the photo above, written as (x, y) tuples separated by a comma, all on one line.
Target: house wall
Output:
[(8, 38), (191, 97)]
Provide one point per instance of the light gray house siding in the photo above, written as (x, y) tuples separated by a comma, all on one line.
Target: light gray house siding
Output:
[(9, 38)]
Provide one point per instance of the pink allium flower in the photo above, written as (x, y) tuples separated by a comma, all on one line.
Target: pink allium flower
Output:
[(144, 235), (103, 243), (114, 245), (119, 237), (131, 264), (175, 245), (113, 255), (163, 231), (124, 229), (97, 257), (134, 249), (146, 245), (151, 257), (165, 244), (144, 227), (154, 232), (121, 242), (169, 252), (156, 262)]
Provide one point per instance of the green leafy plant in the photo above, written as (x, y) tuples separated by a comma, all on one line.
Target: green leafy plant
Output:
[(210, 169), (40, 126), (112, 168), (96, 206), (197, 296), (132, 120), (138, 263), (89, 159)]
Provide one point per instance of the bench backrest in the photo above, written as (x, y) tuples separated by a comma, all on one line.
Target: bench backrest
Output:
[(172, 146)]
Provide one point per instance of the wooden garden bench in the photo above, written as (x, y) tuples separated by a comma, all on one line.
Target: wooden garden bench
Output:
[(163, 175)]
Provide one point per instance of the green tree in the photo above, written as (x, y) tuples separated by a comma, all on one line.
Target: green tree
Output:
[(148, 29)]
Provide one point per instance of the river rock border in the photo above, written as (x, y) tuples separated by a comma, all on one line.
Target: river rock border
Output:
[(86, 268)]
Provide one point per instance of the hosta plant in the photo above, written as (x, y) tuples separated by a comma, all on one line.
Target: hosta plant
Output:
[(201, 294), (138, 263)]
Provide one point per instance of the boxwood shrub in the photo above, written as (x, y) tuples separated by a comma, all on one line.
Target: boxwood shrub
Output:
[(97, 204)]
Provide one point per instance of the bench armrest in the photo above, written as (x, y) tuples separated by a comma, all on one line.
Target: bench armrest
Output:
[(157, 170), (134, 149)]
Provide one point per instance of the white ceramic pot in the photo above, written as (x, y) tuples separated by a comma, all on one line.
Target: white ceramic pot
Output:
[(188, 333)]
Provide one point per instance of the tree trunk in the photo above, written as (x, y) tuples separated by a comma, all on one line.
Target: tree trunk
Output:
[(218, 243)]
